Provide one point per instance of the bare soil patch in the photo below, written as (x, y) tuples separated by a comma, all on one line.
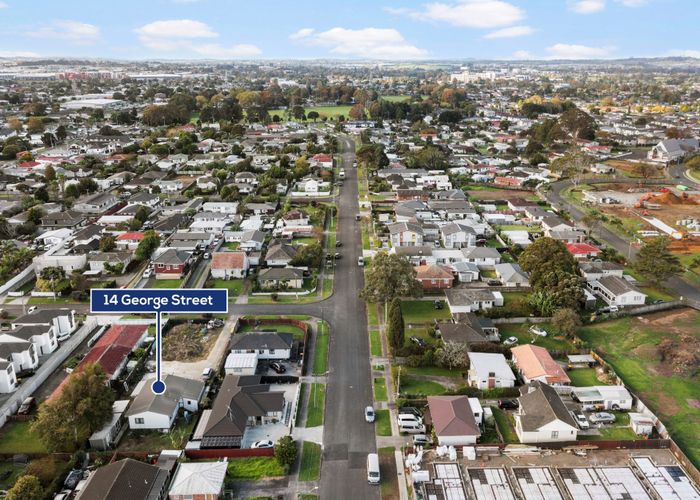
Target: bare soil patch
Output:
[(188, 342)]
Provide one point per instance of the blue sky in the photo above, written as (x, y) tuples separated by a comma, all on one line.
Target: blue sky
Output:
[(351, 29)]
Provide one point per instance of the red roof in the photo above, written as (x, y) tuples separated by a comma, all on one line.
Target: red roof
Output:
[(582, 249), (324, 158), (228, 260), (130, 236), (29, 164)]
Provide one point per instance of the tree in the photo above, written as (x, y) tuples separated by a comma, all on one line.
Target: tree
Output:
[(84, 406), (561, 289), (312, 115), (390, 276), (35, 125), (147, 245), (15, 124), (49, 173), (107, 243), (357, 112), (546, 255), (286, 451), (72, 191), (308, 255), (41, 195), (395, 325), (34, 214), (591, 220), (566, 321), (453, 355), (26, 487), (644, 170), (655, 262)]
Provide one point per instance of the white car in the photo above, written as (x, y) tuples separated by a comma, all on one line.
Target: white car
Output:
[(369, 414), (265, 443), (148, 273), (602, 418), (510, 341), (536, 330)]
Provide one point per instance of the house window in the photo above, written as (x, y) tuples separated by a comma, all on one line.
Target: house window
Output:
[(139, 421), (555, 434)]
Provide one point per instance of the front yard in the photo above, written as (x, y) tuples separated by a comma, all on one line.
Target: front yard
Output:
[(17, 437), (423, 311), (253, 468)]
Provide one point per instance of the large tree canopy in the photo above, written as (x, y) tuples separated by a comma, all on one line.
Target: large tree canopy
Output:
[(390, 276), (546, 255)]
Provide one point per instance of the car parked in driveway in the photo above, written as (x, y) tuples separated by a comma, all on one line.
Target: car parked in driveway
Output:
[(508, 404), (419, 342), (410, 410), (278, 367), (581, 420), (536, 330), (602, 417), (510, 341), (369, 414), (265, 443)]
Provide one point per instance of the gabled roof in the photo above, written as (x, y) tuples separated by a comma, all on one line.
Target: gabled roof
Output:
[(125, 479), (616, 285), (460, 333), (179, 388), (198, 478), (484, 363), (452, 416), (541, 406), (172, 257), (433, 271), (262, 340), (535, 361), (228, 260)]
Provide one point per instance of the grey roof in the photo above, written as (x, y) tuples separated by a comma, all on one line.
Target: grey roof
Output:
[(460, 333), (262, 340), (481, 253), (592, 267), (511, 273), (253, 235), (454, 228), (88, 232), (281, 251), (400, 227), (541, 406), (172, 257), (280, 273), (26, 332), (126, 478), (616, 285), (465, 296), (419, 250), (41, 316), (178, 388)]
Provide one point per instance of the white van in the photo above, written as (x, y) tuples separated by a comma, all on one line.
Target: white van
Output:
[(373, 468), (411, 427), (409, 417)]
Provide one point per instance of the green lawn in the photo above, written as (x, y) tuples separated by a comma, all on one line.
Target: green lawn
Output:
[(235, 287), (389, 484), (551, 342), (321, 349), (372, 317), (656, 293), (518, 227), (50, 300), (416, 386), (231, 245), (14, 469), (331, 112), (380, 393), (166, 283), (630, 346), (432, 371), (396, 98), (423, 311), (317, 399), (310, 468), (254, 468), (382, 422), (153, 441), (17, 437), (303, 388), (584, 377), (375, 343), (505, 425), (304, 241)]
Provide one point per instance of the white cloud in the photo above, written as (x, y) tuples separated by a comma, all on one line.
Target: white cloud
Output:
[(467, 13), (372, 43), (572, 51), (183, 34), (185, 1), (587, 6), (633, 3), (3, 5), (685, 53), (511, 32), (72, 31), (523, 55), (18, 53)]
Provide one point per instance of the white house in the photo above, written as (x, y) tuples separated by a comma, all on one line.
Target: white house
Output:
[(405, 234), (159, 411), (465, 300), (616, 291), (268, 345), (21, 354), (229, 265), (672, 150), (42, 336), (484, 257), (454, 420), (603, 397), (222, 207), (455, 235), (489, 371), (241, 363), (62, 320), (542, 417), (8, 379)]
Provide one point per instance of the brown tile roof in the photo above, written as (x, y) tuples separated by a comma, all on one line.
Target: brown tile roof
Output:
[(228, 260), (452, 416), (535, 362)]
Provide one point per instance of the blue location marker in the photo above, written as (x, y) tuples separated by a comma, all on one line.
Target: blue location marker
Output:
[(153, 300)]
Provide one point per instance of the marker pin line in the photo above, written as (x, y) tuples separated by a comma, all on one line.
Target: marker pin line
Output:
[(158, 386)]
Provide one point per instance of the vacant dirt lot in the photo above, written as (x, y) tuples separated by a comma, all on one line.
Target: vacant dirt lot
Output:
[(188, 342)]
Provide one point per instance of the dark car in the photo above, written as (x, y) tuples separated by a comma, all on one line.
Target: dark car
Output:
[(278, 367), (73, 479), (419, 342), (410, 410), (26, 407), (493, 282), (508, 404), (337, 256), (437, 304), (338, 244)]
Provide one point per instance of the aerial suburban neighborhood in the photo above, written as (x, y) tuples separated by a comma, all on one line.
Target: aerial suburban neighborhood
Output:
[(385, 275)]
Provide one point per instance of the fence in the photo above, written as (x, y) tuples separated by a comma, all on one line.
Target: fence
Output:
[(25, 276), (52, 364), (524, 319), (229, 453)]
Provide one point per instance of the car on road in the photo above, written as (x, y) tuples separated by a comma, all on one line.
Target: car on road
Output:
[(493, 282), (361, 261), (338, 244), (419, 342), (207, 255), (207, 373), (510, 341), (31, 309), (26, 407), (602, 418), (358, 217), (278, 367), (581, 420), (508, 404), (536, 330), (369, 414), (265, 443), (337, 256), (148, 273)]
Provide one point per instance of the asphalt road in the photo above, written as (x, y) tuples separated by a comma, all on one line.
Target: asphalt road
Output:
[(615, 240)]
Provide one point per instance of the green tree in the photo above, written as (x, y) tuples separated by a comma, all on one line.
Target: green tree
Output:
[(286, 451), (389, 277), (655, 262), (107, 243), (72, 191), (35, 214), (147, 245), (308, 255), (562, 289), (546, 255), (49, 173), (395, 326), (453, 355), (566, 321), (84, 406), (26, 488)]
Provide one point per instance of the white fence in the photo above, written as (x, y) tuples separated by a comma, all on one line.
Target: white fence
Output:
[(25, 276)]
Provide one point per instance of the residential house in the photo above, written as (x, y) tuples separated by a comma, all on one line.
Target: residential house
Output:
[(512, 275), (285, 277), (8, 378), (109, 435), (159, 411), (42, 336), (434, 277), (252, 240), (454, 421), (542, 417), (198, 480), (261, 208), (582, 251), (670, 150), (405, 234), (240, 363), (62, 321), (466, 272), (222, 207), (592, 271), (171, 264), (536, 364), (280, 255), (69, 219), (126, 479), (460, 333), (603, 397), (471, 300), (455, 235), (96, 204), (21, 354), (489, 371), (267, 345), (99, 261), (229, 265), (483, 257), (129, 241), (617, 291)]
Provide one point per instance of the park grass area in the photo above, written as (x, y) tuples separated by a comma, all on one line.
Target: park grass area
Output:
[(382, 422), (504, 422), (396, 98), (296, 332), (317, 400), (165, 283), (254, 468), (235, 287), (423, 311), (380, 393), (630, 346), (331, 112), (552, 342), (310, 467), (584, 377), (419, 387), (375, 343), (18, 438), (321, 349)]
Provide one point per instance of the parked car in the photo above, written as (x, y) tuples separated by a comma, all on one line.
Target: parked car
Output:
[(265, 443), (536, 330), (369, 414), (361, 261), (207, 373), (73, 479), (278, 367), (508, 404), (419, 342), (410, 410), (420, 440), (148, 273), (26, 407), (338, 244), (581, 420), (358, 216), (207, 255), (657, 301), (437, 304), (510, 341), (602, 418), (337, 256), (31, 309), (493, 282)]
